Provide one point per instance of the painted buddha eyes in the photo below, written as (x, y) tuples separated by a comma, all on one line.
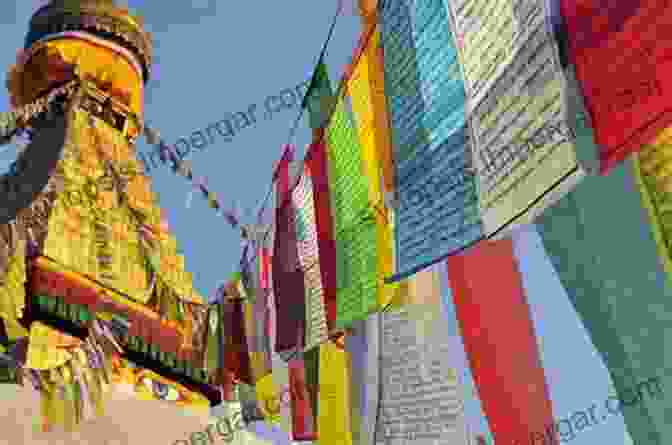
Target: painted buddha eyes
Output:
[(162, 391)]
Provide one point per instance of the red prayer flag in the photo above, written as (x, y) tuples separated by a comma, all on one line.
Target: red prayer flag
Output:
[(623, 59), (302, 418), (288, 281), (316, 158), (499, 340)]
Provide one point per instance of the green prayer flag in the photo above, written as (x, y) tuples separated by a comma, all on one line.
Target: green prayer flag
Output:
[(354, 223), (319, 99)]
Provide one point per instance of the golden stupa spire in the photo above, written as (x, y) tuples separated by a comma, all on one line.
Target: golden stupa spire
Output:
[(101, 22)]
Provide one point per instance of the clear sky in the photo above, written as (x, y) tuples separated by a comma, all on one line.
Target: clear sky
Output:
[(211, 60)]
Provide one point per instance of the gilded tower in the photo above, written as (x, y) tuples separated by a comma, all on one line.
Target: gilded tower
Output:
[(92, 289)]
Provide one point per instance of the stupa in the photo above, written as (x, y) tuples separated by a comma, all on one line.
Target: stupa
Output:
[(92, 289)]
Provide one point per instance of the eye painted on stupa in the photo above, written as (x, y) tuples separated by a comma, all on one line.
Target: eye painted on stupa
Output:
[(148, 384), (162, 391)]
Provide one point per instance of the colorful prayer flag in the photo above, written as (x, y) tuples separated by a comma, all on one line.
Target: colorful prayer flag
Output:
[(437, 210)]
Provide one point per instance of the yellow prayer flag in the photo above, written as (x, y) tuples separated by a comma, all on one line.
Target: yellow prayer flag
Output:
[(653, 175), (268, 399), (333, 421)]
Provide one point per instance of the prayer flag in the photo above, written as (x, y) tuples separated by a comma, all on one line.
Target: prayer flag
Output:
[(605, 254), (499, 340), (303, 424), (524, 144), (583, 237), (354, 221), (319, 98), (288, 280), (308, 252), (365, 88), (317, 161), (436, 201), (621, 51), (334, 404)]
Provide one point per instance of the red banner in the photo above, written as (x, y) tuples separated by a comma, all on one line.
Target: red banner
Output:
[(302, 416), (499, 340), (623, 58)]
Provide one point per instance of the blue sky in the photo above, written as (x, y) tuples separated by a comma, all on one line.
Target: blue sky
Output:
[(211, 60)]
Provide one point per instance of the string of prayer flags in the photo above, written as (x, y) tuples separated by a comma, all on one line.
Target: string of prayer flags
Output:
[(621, 54), (436, 204), (183, 168)]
